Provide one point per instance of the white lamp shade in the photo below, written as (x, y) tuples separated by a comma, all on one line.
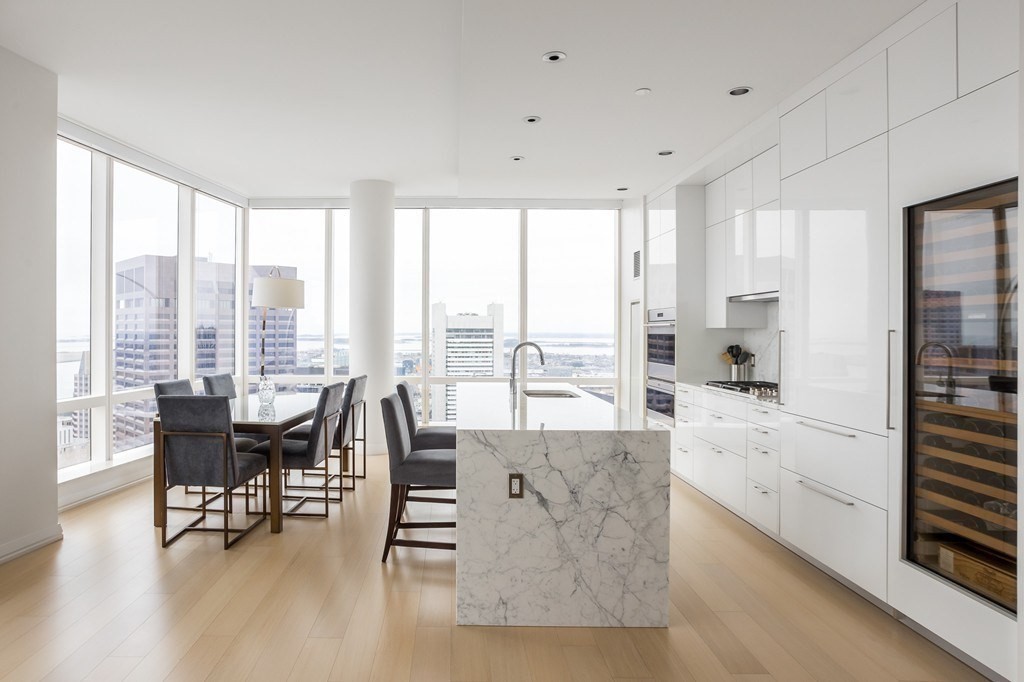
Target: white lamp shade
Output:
[(277, 292)]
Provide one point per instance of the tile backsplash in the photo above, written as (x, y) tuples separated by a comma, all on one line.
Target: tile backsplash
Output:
[(764, 344)]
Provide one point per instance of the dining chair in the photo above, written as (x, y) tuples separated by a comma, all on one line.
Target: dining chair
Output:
[(224, 384), (199, 450), (175, 387), (417, 469), (311, 453)]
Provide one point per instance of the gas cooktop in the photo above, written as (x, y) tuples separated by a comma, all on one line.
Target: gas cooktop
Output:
[(760, 389)]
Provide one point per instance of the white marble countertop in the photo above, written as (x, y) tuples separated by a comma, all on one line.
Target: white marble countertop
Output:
[(489, 406)]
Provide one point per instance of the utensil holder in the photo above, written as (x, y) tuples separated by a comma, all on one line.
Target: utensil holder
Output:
[(738, 372)]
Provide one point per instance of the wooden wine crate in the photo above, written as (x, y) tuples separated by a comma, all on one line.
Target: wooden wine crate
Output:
[(988, 574)]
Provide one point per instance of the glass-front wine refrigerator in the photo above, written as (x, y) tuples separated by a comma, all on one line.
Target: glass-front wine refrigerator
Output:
[(962, 383)]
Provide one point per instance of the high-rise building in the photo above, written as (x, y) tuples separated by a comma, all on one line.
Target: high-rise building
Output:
[(215, 317), (464, 345)]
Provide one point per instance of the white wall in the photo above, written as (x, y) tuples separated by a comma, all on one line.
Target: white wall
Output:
[(631, 239), (28, 138)]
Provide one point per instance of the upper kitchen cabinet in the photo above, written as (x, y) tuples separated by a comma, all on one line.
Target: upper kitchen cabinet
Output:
[(802, 139), (739, 190), (833, 299), (714, 202), (856, 106), (987, 42), (661, 251), (661, 214), (922, 69), (766, 176), (752, 252), (720, 311)]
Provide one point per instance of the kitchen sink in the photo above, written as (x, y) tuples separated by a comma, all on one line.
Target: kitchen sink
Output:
[(548, 393)]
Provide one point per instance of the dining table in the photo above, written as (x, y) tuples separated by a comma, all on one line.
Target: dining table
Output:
[(289, 411)]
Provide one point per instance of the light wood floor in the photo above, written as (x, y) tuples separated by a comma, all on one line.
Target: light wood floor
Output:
[(315, 603)]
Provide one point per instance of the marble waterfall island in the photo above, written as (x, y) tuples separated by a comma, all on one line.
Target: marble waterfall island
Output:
[(588, 543)]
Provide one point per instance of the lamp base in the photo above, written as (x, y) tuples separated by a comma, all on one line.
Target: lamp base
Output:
[(265, 393)]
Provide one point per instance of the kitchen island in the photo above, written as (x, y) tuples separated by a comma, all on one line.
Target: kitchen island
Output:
[(588, 542)]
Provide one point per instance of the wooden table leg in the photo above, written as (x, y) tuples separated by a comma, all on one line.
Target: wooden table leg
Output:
[(275, 482), (159, 482)]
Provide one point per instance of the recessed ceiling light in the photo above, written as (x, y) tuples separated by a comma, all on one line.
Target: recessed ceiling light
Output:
[(531, 119), (666, 152), (516, 158), (642, 92), (622, 189), (740, 90), (553, 57)]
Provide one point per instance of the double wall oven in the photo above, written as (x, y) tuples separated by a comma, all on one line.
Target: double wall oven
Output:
[(661, 364)]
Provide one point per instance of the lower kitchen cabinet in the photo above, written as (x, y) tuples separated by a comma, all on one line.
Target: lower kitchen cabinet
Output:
[(682, 461), (842, 532), (721, 473), (763, 506)]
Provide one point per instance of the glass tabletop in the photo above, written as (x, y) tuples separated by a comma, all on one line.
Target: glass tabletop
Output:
[(286, 406)]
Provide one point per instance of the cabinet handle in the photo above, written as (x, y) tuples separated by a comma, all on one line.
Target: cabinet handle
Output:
[(888, 382), (781, 332), (761, 490), (764, 431), (717, 452), (716, 416), (757, 409), (823, 492), (827, 430)]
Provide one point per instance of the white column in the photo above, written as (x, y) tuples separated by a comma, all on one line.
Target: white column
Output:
[(372, 292)]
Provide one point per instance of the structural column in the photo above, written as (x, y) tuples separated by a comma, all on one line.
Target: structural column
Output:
[(372, 293)]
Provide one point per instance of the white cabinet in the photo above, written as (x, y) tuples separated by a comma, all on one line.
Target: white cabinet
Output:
[(987, 42), (833, 300), (719, 311), (739, 190), (802, 136), (922, 69), (763, 465), (763, 506), (843, 533), (661, 270), (738, 273), (752, 251), (856, 106), (720, 473), (721, 430), (714, 202), (850, 461), (766, 176)]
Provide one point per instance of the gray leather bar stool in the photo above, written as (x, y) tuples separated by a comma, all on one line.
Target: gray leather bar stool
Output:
[(423, 437)]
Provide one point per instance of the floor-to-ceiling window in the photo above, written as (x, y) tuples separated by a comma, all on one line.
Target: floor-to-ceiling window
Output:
[(215, 277), (409, 226), (340, 277)]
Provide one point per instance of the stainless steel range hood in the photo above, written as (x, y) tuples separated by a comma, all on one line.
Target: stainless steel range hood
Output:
[(763, 296)]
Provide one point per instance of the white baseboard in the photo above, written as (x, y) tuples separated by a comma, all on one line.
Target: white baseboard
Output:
[(100, 483), (28, 543)]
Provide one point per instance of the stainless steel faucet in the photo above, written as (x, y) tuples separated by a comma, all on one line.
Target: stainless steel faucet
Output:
[(515, 353), (950, 382)]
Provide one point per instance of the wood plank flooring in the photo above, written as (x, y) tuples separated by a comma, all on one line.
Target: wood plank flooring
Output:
[(315, 603)]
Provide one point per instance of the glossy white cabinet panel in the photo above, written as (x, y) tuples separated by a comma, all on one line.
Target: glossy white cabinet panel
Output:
[(682, 461), (762, 435), (766, 176), (763, 506), (714, 202), (716, 402), (765, 245), (739, 190), (850, 461), (843, 533), (687, 393), (661, 270), (987, 41), (721, 430), (763, 465), (922, 69), (737, 255), (856, 106), (684, 431), (802, 136), (685, 410), (763, 414), (719, 312), (653, 219), (833, 300), (721, 473)]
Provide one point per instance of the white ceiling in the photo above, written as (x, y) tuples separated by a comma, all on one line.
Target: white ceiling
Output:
[(299, 99)]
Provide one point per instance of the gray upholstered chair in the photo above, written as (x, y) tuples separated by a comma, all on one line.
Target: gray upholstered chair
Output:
[(413, 469), (312, 453), (176, 387), (199, 450), (424, 437), (224, 384)]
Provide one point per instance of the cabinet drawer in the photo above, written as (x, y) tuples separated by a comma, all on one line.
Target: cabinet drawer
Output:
[(721, 473), (684, 433), (763, 414), (686, 393), (853, 462), (721, 430), (685, 410), (763, 465), (844, 533), (767, 437), (763, 506), (723, 405), (682, 462)]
